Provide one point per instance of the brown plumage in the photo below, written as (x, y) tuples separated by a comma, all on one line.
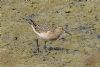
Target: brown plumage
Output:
[(48, 35)]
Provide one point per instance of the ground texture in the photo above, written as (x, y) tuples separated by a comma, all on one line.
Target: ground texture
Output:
[(79, 17)]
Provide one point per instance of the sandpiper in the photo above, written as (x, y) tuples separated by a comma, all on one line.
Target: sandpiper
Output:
[(48, 35)]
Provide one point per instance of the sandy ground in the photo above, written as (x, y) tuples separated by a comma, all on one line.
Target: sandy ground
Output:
[(79, 17)]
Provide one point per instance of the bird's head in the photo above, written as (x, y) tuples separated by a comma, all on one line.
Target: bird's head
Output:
[(59, 29)]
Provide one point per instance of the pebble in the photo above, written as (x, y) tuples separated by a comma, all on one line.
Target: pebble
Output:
[(98, 36)]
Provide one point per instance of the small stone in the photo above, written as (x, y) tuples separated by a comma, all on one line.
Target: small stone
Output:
[(15, 38), (13, 8), (44, 59), (68, 12), (98, 36), (57, 11)]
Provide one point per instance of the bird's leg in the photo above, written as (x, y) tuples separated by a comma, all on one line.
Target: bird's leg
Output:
[(37, 46), (45, 45), (51, 42)]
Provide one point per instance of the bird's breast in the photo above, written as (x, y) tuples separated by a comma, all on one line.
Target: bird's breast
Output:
[(48, 36), (44, 36)]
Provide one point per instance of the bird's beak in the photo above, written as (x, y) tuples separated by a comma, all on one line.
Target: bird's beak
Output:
[(67, 32)]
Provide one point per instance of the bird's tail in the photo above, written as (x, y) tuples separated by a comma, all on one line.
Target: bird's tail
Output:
[(30, 21)]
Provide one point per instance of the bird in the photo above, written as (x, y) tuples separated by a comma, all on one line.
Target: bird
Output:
[(48, 35)]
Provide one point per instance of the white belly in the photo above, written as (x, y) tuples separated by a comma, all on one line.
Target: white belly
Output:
[(44, 36)]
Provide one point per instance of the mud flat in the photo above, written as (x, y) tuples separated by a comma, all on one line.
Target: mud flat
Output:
[(79, 17)]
